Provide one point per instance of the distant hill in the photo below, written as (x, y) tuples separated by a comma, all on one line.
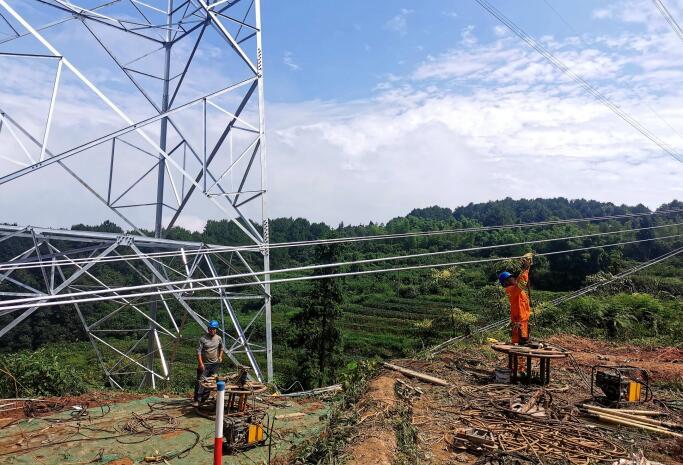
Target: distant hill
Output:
[(510, 211)]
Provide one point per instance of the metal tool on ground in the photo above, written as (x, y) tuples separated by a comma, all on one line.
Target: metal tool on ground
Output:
[(474, 439), (245, 432), (407, 391), (240, 392), (242, 421), (620, 384)]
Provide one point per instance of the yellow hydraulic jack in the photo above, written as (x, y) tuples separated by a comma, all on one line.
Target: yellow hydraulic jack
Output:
[(243, 432), (621, 384)]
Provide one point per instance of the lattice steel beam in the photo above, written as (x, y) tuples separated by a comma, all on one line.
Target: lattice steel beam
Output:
[(145, 161)]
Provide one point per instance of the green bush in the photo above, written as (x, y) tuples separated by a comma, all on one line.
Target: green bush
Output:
[(32, 374), (620, 317), (408, 292)]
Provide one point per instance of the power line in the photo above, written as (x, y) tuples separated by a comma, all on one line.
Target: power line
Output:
[(215, 249), (78, 297), (638, 94), (557, 63), (669, 18), (436, 253), (566, 23), (500, 323), (621, 275)]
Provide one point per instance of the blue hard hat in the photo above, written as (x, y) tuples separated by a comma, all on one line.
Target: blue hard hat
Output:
[(503, 276), (214, 324)]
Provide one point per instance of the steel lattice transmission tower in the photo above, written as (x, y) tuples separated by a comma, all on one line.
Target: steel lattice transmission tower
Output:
[(172, 130)]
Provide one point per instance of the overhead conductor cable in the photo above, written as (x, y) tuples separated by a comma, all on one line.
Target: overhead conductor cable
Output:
[(557, 63), (80, 297), (199, 281), (215, 249), (560, 300)]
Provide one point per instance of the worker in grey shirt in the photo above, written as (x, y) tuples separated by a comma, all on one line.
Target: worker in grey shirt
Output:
[(209, 356)]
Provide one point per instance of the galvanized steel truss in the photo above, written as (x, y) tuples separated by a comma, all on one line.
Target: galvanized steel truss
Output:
[(201, 140)]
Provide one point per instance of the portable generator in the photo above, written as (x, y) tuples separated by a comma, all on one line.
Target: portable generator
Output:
[(243, 432), (621, 384)]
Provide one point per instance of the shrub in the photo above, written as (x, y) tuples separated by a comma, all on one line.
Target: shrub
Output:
[(408, 292), (32, 374), (620, 317)]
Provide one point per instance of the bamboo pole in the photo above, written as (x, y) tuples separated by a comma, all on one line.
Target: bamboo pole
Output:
[(618, 413), (626, 422), (649, 413), (418, 375)]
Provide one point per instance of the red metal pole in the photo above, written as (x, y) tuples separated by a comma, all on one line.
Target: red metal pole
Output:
[(218, 441)]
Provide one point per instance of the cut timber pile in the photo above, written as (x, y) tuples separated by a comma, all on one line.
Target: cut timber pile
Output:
[(460, 417), (619, 417)]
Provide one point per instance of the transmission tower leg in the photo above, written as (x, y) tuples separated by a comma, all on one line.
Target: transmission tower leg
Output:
[(163, 136), (264, 186), (269, 322)]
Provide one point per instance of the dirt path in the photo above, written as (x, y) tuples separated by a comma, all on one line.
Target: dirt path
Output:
[(376, 443)]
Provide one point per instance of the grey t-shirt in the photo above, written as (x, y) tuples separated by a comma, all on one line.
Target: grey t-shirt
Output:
[(209, 348)]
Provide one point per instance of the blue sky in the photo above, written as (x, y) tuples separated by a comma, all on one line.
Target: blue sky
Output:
[(375, 108), (437, 102), (343, 51)]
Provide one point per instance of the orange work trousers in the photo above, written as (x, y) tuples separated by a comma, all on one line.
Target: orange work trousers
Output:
[(520, 331)]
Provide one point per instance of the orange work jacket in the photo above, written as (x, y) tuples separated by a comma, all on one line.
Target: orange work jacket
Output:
[(520, 310)]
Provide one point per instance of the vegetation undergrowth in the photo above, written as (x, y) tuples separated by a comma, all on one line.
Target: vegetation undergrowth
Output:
[(39, 373), (340, 424), (406, 438), (390, 314)]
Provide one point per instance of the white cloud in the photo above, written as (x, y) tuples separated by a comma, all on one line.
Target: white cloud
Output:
[(190, 222), (288, 60), (406, 148), (479, 122), (482, 123), (467, 36), (602, 13), (399, 23), (639, 12), (499, 31)]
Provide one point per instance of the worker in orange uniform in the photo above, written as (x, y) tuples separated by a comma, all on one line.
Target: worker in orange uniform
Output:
[(517, 292)]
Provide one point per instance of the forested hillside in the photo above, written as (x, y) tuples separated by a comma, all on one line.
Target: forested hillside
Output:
[(397, 313)]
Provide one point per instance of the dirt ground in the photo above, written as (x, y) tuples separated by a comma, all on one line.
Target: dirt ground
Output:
[(376, 410), (665, 364), (472, 401)]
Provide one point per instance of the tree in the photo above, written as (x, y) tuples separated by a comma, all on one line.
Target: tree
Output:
[(316, 331)]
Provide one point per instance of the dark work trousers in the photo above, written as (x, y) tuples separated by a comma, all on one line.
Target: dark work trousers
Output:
[(209, 370)]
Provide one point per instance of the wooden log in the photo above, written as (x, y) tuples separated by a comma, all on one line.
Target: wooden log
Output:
[(626, 422), (289, 416), (418, 375), (640, 419)]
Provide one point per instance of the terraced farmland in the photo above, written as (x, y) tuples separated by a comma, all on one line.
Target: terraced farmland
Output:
[(375, 324)]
